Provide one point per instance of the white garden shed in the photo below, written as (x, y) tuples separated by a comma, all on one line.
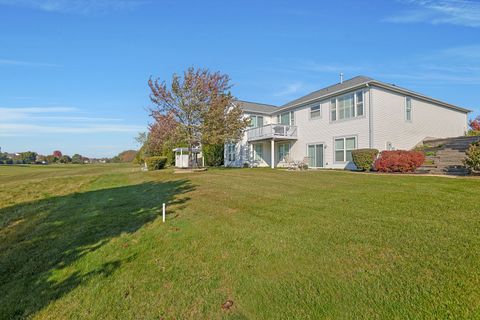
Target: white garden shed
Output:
[(182, 157)]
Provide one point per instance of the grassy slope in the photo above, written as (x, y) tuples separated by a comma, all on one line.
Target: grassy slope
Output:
[(87, 242)]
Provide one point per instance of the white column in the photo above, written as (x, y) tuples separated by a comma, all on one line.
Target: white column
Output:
[(250, 154), (272, 150)]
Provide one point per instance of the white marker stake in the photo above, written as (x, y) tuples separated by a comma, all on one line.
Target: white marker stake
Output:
[(163, 212)]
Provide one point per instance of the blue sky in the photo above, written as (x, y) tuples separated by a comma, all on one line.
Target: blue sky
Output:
[(73, 74)]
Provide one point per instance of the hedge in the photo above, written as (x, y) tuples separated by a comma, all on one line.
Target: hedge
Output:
[(213, 154), (155, 163), (364, 158), (399, 161), (472, 160)]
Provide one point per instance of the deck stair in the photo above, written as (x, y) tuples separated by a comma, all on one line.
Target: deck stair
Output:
[(445, 156)]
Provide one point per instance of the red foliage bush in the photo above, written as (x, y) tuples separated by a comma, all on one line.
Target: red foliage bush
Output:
[(399, 161)]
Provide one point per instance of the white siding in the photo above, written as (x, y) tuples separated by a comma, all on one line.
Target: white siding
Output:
[(324, 131), (428, 120), (386, 123)]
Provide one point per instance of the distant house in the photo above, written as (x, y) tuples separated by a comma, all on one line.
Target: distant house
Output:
[(326, 125)]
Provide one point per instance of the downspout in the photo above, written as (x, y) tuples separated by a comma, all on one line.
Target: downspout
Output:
[(370, 117)]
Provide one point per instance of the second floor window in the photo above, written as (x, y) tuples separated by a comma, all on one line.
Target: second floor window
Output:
[(256, 121), (287, 118), (347, 106), (315, 111), (408, 109)]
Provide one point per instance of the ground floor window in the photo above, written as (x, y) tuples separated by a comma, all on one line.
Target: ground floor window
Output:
[(231, 152), (343, 148), (283, 151), (315, 155), (258, 152)]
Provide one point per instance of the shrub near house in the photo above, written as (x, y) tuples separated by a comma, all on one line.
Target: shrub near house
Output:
[(472, 161), (155, 163), (399, 161), (364, 158)]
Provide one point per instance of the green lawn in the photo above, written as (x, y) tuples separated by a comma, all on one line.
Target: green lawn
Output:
[(88, 242)]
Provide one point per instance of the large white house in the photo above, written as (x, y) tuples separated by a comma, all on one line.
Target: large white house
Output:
[(326, 125)]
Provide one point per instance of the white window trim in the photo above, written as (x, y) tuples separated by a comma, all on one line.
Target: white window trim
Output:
[(323, 146), (280, 159), (256, 120), (406, 108), (291, 116), (319, 105), (231, 152), (344, 148), (354, 104), (257, 156)]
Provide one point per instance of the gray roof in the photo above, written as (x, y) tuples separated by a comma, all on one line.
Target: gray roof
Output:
[(256, 107), (347, 84), (356, 82)]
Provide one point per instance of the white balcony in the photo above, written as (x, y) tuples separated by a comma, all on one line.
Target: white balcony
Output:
[(272, 131)]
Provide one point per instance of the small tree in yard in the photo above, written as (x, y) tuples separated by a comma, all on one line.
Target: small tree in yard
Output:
[(474, 127), (472, 161), (196, 109)]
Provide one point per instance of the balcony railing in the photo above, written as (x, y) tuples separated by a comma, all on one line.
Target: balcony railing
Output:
[(272, 131)]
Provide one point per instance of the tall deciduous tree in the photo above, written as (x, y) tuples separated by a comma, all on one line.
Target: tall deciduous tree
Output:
[(201, 106)]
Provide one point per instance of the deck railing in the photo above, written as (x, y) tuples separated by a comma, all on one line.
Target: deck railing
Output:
[(270, 131)]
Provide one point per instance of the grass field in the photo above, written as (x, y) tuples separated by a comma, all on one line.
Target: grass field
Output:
[(88, 242)]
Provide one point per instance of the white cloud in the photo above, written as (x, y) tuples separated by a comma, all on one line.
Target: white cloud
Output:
[(11, 62), (290, 89), (75, 6), (22, 113), (455, 12), (43, 120), (14, 129)]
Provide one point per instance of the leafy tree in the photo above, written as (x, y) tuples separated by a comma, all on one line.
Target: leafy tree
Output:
[(52, 159), (77, 158), (57, 154), (3, 156), (201, 108), (474, 127), (28, 157), (472, 160), (213, 154), (65, 159), (127, 155), (141, 138)]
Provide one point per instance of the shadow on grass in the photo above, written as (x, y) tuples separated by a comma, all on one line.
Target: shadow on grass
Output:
[(41, 237)]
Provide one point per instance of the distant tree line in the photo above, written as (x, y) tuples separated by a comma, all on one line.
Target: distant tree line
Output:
[(57, 157)]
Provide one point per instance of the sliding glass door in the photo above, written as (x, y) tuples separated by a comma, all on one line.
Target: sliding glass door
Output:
[(315, 155)]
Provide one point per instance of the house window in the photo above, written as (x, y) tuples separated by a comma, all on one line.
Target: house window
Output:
[(283, 151), (408, 109), (256, 121), (258, 152), (315, 112), (231, 152), (359, 103), (333, 109), (343, 149), (347, 106), (287, 118)]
